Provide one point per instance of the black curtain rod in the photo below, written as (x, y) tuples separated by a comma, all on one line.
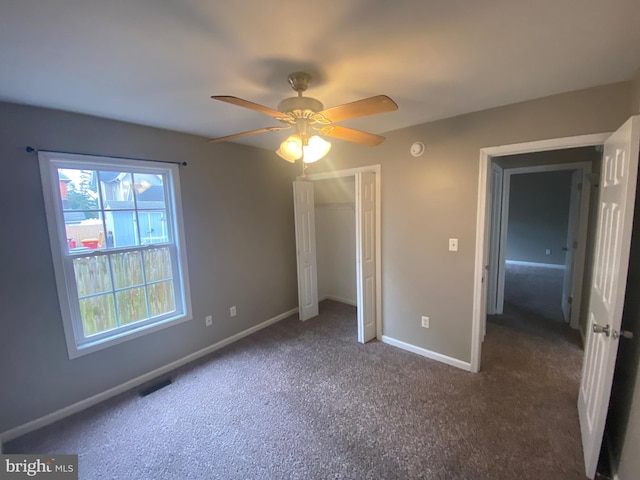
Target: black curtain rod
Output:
[(31, 150)]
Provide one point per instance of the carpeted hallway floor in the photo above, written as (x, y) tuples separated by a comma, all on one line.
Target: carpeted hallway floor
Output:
[(535, 290), (306, 401)]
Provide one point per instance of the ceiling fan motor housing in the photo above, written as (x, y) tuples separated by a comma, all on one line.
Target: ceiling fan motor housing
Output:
[(292, 104)]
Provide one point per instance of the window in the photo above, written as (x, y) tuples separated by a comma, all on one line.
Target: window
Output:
[(116, 234)]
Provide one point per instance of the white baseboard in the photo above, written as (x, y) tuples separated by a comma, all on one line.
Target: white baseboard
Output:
[(128, 385), (454, 362), (339, 299), (534, 264)]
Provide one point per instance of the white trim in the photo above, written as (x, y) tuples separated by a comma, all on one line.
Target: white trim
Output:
[(378, 173), (335, 298), (535, 264), (130, 384), (478, 317), (454, 362), (479, 292)]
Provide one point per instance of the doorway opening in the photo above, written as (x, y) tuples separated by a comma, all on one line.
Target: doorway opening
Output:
[(358, 196), (335, 212), (486, 193), (541, 214), (616, 199)]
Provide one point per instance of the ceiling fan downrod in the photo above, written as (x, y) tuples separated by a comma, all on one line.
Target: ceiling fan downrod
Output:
[(299, 81)]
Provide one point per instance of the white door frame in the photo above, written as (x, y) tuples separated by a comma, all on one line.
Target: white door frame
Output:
[(378, 231), (585, 167), (483, 219)]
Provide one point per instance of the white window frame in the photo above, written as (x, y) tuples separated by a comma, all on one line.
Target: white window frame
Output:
[(77, 343)]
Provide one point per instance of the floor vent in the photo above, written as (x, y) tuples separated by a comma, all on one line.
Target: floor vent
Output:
[(155, 387)]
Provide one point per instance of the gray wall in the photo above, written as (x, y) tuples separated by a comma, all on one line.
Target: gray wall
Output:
[(238, 218), (538, 216), (635, 99), (426, 200)]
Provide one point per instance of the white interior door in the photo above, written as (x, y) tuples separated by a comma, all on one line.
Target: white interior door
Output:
[(305, 224), (494, 239), (615, 218), (366, 255)]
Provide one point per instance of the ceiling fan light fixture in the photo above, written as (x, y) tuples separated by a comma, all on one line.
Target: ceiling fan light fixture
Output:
[(291, 148), (317, 148)]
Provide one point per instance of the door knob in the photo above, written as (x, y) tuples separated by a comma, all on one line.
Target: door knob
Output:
[(600, 329)]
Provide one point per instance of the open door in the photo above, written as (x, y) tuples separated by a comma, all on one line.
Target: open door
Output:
[(611, 260), (305, 224), (366, 254)]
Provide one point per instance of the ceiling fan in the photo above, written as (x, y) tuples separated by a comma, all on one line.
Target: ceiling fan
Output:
[(308, 116)]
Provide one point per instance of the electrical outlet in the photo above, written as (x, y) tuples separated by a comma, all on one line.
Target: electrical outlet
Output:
[(232, 311), (208, 320), (547, 251), (425, 322)]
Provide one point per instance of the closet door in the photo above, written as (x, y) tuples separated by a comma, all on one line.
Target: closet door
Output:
[(366, 255), (305, 224)]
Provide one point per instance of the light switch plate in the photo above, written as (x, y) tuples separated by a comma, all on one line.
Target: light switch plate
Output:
[(453, 244)]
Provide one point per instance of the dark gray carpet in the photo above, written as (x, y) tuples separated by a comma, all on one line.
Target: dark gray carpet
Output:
[(535, 290), (306, 401)]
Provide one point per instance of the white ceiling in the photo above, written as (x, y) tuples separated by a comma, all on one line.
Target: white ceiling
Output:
[(157, 62)]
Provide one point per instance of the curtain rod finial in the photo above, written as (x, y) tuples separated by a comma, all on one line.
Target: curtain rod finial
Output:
[(30, 149)]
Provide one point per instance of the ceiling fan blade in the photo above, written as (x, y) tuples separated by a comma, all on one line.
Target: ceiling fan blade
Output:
[(360, 108), (250, 105), (352, 135), (250, 132)]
